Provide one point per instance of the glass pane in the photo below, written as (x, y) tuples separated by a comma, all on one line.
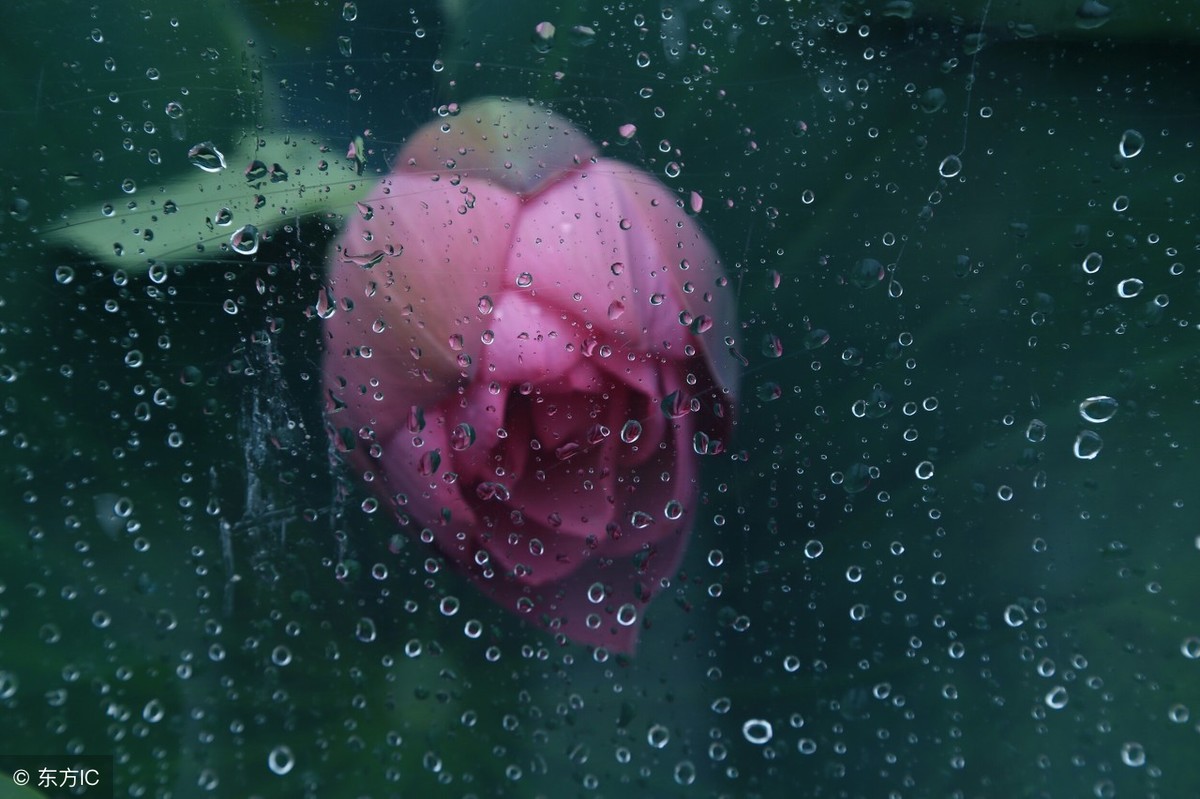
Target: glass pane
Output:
[(531, 399)]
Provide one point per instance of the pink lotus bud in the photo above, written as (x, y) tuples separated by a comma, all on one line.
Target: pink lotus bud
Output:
[(557, 324)]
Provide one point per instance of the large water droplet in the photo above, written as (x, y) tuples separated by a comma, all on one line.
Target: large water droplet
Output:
[(462, 436), (1129, 288), (206, 156), (1098, 410), (244, 240), (1087, 445), (867, 273), (1131, 144)]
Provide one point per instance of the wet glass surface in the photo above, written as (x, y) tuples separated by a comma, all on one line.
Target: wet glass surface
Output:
[(758, 396)]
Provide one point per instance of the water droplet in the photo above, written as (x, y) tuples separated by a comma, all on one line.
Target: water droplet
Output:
[(615, 309), (244, 240), (815, 339), (772, 346), (344, 46), (1098, 410), (675, 405), (1015, 615), (281, 760), (524, 280), (1035, 432), (350, 12), (462, 436), (631, 431), (1129, 288), (757, 731), (1092, 14), (932, 100), (950, 166), (1131, 144), (867, 273), (582, 35), (1087, 445), (174, 110), (206, 156), (658, 736), (1133, 754), (429, 463), (1056, 698), (543, 36)]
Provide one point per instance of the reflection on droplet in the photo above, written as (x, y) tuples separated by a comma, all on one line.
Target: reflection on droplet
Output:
[(816, 339), (1087, 445), (462, 437), (867, 273), (1092, 14), (1098, 410), (206, 156), (429, 463), (244, 240)]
